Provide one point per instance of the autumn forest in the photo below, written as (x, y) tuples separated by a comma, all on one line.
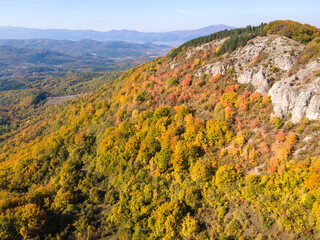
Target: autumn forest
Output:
[(175, 148)]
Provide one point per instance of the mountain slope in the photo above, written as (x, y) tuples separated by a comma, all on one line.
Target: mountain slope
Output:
[(169, 38), (183, 147)]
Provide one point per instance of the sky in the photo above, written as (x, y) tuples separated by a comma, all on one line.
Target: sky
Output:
[(153, 15)]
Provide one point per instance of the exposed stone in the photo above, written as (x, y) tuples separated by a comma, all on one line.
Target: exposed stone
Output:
[(284, 62), (295, 96), (307, 139), (313, 111), (282, 96), (255, 63), (277, 51), (213, 68), (301, 105), (258, 80), (245, 77), (298, 151), (173, 65)]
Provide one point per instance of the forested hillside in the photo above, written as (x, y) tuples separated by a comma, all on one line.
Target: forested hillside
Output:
[(188, 146)]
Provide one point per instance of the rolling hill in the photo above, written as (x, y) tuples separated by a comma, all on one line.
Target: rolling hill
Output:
[(21, 60), (87, 48)]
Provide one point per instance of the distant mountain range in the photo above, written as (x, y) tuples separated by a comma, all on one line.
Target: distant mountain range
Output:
[(172, 38), (34, 56), (89, 48)]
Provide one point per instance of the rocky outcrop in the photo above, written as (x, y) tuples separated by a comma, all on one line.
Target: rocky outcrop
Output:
[(313, 111), (258, 80), (293, 95), (277, 51), (213, 69), (265, 58)]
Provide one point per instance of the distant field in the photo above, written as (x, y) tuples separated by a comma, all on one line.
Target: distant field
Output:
[(59, 100)]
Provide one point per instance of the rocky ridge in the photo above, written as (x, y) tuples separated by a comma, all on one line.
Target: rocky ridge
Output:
[(268, 64)]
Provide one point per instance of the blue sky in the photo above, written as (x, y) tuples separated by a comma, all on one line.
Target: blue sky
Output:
[(153, 15)]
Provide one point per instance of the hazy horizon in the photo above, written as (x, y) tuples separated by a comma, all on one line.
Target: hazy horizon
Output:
[(151, 16), (117, 29)]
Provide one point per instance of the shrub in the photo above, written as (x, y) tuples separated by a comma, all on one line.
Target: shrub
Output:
[(186, 82), (225, 175), (172, 82), (161, 112), (200, 172)]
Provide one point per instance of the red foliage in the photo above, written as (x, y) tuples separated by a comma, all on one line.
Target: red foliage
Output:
[(246, 94), (254, 123), (165, 76), (214, 100), (229, 112), (273, 164), (229, 89), (217, 93), (281, 168), (152, 78), (156, 87), (175, 75), (189, 76), (186, 66), (244, 107), (224, 103), (217, 77), (242, 101), (239, 124), (254, 97), (264, 147), (212, 80), (237, 166), (281, 137), (186, 82)]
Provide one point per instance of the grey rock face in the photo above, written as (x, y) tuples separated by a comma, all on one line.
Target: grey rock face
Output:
[(212, 69), (301, 105), (313, 111), (282, 97), (296, 97), (265, 59), (246, 77), (258, 80), (293, 95)]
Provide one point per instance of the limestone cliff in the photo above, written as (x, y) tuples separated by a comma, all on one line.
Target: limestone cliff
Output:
[(270, 65)]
